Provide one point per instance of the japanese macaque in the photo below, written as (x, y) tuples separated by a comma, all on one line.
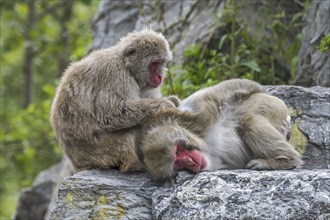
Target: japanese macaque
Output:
[(103, 99), (232, 125)]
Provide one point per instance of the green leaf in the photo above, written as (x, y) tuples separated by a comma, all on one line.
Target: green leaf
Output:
[(253, 65), (192, 51), (222, 41)]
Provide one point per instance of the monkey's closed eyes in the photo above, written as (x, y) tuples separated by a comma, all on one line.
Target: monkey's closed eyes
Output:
[(130, 51), (188, 159)]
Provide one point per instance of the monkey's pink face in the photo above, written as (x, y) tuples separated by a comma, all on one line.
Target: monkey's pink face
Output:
[(192, 160), (156, 73)]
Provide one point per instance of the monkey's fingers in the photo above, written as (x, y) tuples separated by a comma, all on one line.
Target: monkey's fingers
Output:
[(174, 99)]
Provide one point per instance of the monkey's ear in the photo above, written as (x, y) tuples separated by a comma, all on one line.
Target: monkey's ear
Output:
[(130, 50)]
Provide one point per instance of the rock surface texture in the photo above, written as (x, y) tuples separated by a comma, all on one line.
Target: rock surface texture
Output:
[(182, 22), (240, 194), (34, 203), (189, 22), (314, 66), (310, 118)]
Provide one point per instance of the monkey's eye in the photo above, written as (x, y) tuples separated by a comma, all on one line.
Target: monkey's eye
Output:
[(130, 51), (177, 152), (189, 147)]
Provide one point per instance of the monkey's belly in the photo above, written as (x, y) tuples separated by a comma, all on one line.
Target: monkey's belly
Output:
[(226, 149)]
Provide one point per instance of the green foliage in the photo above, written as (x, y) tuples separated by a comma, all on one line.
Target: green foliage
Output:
[(206, 68), (285, 52), (324, 44), (238, 53), (27, 141), (234, 57)]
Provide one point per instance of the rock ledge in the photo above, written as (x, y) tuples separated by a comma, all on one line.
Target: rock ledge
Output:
[(243, 194)]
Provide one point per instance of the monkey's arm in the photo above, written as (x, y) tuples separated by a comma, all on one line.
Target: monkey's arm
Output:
[(197, 122), (127, 114)]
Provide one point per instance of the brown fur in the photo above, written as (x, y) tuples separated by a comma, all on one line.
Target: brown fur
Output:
[(235, 123), (103, 99)]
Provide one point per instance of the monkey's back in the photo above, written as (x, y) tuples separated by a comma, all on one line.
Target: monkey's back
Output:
[(88, 90), (102, 100), (226, 91), (240, 102)]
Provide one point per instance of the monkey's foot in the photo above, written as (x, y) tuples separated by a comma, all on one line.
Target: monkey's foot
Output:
[(280, 163), (131, 164), (258, 164)]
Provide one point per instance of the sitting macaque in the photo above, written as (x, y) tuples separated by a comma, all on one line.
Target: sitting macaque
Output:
[(103, 99), (232, 125)]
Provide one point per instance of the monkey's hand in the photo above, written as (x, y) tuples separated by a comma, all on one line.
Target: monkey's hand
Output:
[(174, 99), (163, 104)]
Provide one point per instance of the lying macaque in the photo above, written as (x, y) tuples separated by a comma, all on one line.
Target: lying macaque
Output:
[(232, 125)]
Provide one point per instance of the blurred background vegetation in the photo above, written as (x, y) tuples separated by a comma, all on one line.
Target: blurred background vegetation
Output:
[(241, 53), (40, 38)]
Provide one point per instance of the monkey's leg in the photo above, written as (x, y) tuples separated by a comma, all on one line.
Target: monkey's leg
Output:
[(270, 148), (108, 150), (196, 122), (129, 162), (127, 114), (125, 143)]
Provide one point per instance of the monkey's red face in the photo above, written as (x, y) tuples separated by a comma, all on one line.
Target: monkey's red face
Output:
[(192, 160), (156, 73)]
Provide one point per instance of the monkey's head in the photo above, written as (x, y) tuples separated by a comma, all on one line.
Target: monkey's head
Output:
[(145, 54), (168, 149)]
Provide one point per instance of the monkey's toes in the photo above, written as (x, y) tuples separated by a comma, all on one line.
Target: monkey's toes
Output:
[(257, 164)]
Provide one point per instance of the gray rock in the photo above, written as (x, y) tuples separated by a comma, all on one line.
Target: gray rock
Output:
[(113, 20), (102, 194), (34, 203), (240, 194), (189, 22), (65, 169), (310, 117), (314, 66), (182, 22)]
